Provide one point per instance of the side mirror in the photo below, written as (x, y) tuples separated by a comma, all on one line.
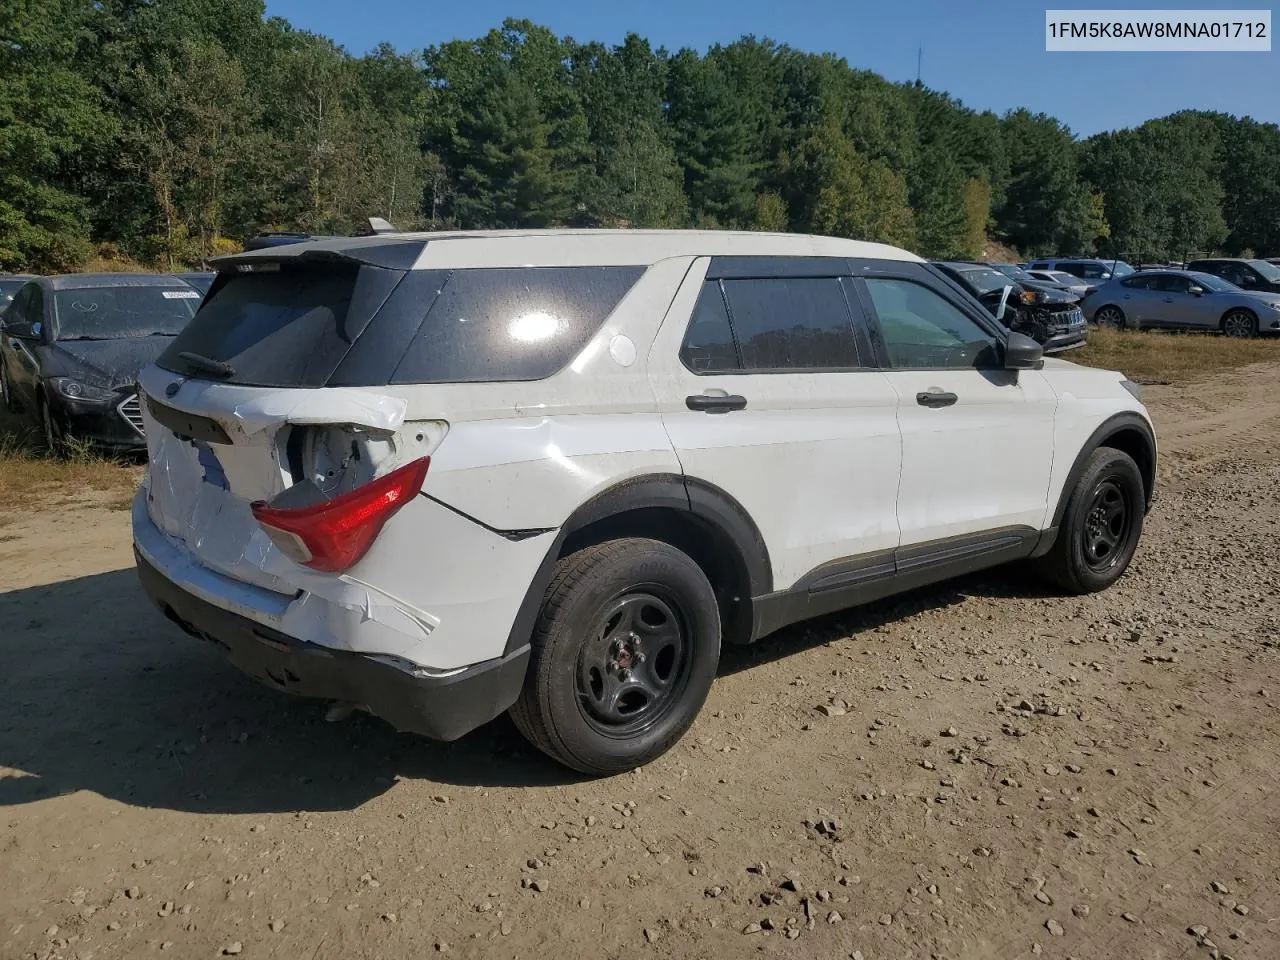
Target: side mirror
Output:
[(1022, 353), (1195, 290)]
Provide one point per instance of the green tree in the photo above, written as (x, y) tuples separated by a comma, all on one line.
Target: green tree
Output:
[(51, 116), (977, 213)]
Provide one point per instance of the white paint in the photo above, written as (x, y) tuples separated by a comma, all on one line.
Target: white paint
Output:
[(623, 350)]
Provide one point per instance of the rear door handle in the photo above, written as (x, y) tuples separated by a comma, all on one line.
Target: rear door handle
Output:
[(715, 402), (935, 398)]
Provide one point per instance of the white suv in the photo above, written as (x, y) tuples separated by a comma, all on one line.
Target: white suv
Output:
[(441, 476)]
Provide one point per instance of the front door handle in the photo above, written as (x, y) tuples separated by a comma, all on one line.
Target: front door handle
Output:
[(715, 402), (935, 398)]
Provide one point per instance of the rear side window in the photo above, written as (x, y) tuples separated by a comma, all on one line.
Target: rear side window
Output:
[(277, 327), (770, 324), (512, 323)]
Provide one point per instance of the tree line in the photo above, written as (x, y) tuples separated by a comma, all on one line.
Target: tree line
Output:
[(167, 131)]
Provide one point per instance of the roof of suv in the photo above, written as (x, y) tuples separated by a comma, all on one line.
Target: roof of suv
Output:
[(562, 248)]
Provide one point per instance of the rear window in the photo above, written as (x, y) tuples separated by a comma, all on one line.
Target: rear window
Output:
[(114, 313), (280, 327), (520, 323)]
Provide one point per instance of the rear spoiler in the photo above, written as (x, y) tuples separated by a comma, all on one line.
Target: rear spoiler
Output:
[(388, 251)]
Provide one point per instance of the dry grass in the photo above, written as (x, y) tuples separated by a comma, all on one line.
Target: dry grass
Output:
[(32, 478), (1171, 357)]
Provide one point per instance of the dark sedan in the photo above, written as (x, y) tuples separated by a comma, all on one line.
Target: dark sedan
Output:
[(71, 348)]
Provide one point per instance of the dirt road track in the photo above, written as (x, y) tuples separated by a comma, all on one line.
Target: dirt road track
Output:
[(155, 803)]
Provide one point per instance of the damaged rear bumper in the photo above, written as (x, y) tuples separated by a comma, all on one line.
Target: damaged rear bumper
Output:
[(442, 707)]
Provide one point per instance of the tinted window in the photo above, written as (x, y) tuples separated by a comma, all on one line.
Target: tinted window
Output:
[(1087, 269), (1269, 271), (921, 329), (1139, 283), (114, 313), (789, 324), (1041, 265), (512, 323), (8, 288), (1172, 283), (708, 343), (981, 280), (277, 327)]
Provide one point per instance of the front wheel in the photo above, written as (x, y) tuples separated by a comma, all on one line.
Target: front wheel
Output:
[(1110, 316), (6, 392), (1241, 324), (52, 432), (623, 656), (1101, 526)]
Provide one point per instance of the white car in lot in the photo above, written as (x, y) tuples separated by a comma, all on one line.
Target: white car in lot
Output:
[(440, 476)]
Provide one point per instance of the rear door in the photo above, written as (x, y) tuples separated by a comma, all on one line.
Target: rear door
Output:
[(977, 440), (768, 392)]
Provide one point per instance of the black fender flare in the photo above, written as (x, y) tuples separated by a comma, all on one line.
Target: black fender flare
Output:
[(703, 501), (1129, 422)]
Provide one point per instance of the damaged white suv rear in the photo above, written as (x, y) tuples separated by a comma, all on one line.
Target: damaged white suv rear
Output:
[(442, 476)]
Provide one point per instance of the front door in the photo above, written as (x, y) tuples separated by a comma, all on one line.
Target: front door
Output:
[(977, 440), (769, 393)]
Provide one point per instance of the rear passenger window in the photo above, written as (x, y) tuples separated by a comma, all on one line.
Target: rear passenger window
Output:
[(922, 330), (790, 324), (708, 343), (512, 323)]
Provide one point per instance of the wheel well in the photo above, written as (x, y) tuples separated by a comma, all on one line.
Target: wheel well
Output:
[(1223, 319), (1136, 446), (710, 548)]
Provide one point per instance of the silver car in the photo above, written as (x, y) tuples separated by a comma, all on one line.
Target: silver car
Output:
[(1182, 300), (1067, 281)]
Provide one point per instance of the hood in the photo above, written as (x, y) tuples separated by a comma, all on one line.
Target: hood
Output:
[(1050, 293), (107, 363)]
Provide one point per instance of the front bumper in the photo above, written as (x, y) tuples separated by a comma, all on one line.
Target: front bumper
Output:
[(114, 425), (440, 707), (1070, 340)]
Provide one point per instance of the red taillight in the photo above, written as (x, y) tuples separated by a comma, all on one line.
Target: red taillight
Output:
[(333, 535)]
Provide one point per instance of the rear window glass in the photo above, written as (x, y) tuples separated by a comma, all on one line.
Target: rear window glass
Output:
[(522, 323), (282, 327), (114, 313)]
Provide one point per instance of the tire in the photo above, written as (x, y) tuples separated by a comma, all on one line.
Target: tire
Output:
[(1110, 316), (623, 655), (49, 428), (1077, 562), (1239, 323), (6, 395)]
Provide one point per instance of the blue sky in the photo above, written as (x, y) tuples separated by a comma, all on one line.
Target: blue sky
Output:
[(990, 55)]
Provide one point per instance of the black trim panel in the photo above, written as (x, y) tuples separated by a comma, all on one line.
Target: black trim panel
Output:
[(857, 580), (776, 267), (187, 426)]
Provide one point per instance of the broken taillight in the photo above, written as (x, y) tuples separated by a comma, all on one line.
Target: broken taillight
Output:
[(333, 534)]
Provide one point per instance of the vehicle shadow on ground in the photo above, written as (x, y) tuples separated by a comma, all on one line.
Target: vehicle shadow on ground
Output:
[(99, 692)]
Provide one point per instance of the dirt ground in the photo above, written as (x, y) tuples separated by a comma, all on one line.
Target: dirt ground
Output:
[(152, 799)]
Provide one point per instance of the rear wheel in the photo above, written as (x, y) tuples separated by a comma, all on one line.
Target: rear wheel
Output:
[(1101, 526), (624, 653), (1240, 323), (1110, 316)]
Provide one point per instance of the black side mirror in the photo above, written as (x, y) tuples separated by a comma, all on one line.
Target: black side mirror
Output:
[(1022, 353)]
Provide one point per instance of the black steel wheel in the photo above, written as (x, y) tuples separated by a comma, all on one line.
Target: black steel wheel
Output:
[(622, 657), (1100, 525), (632, 668)]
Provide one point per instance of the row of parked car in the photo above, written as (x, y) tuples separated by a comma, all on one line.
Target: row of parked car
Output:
[(71, 348), (1051, 299)]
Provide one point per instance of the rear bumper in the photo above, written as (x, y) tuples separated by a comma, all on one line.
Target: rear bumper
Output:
[(442, 707)]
